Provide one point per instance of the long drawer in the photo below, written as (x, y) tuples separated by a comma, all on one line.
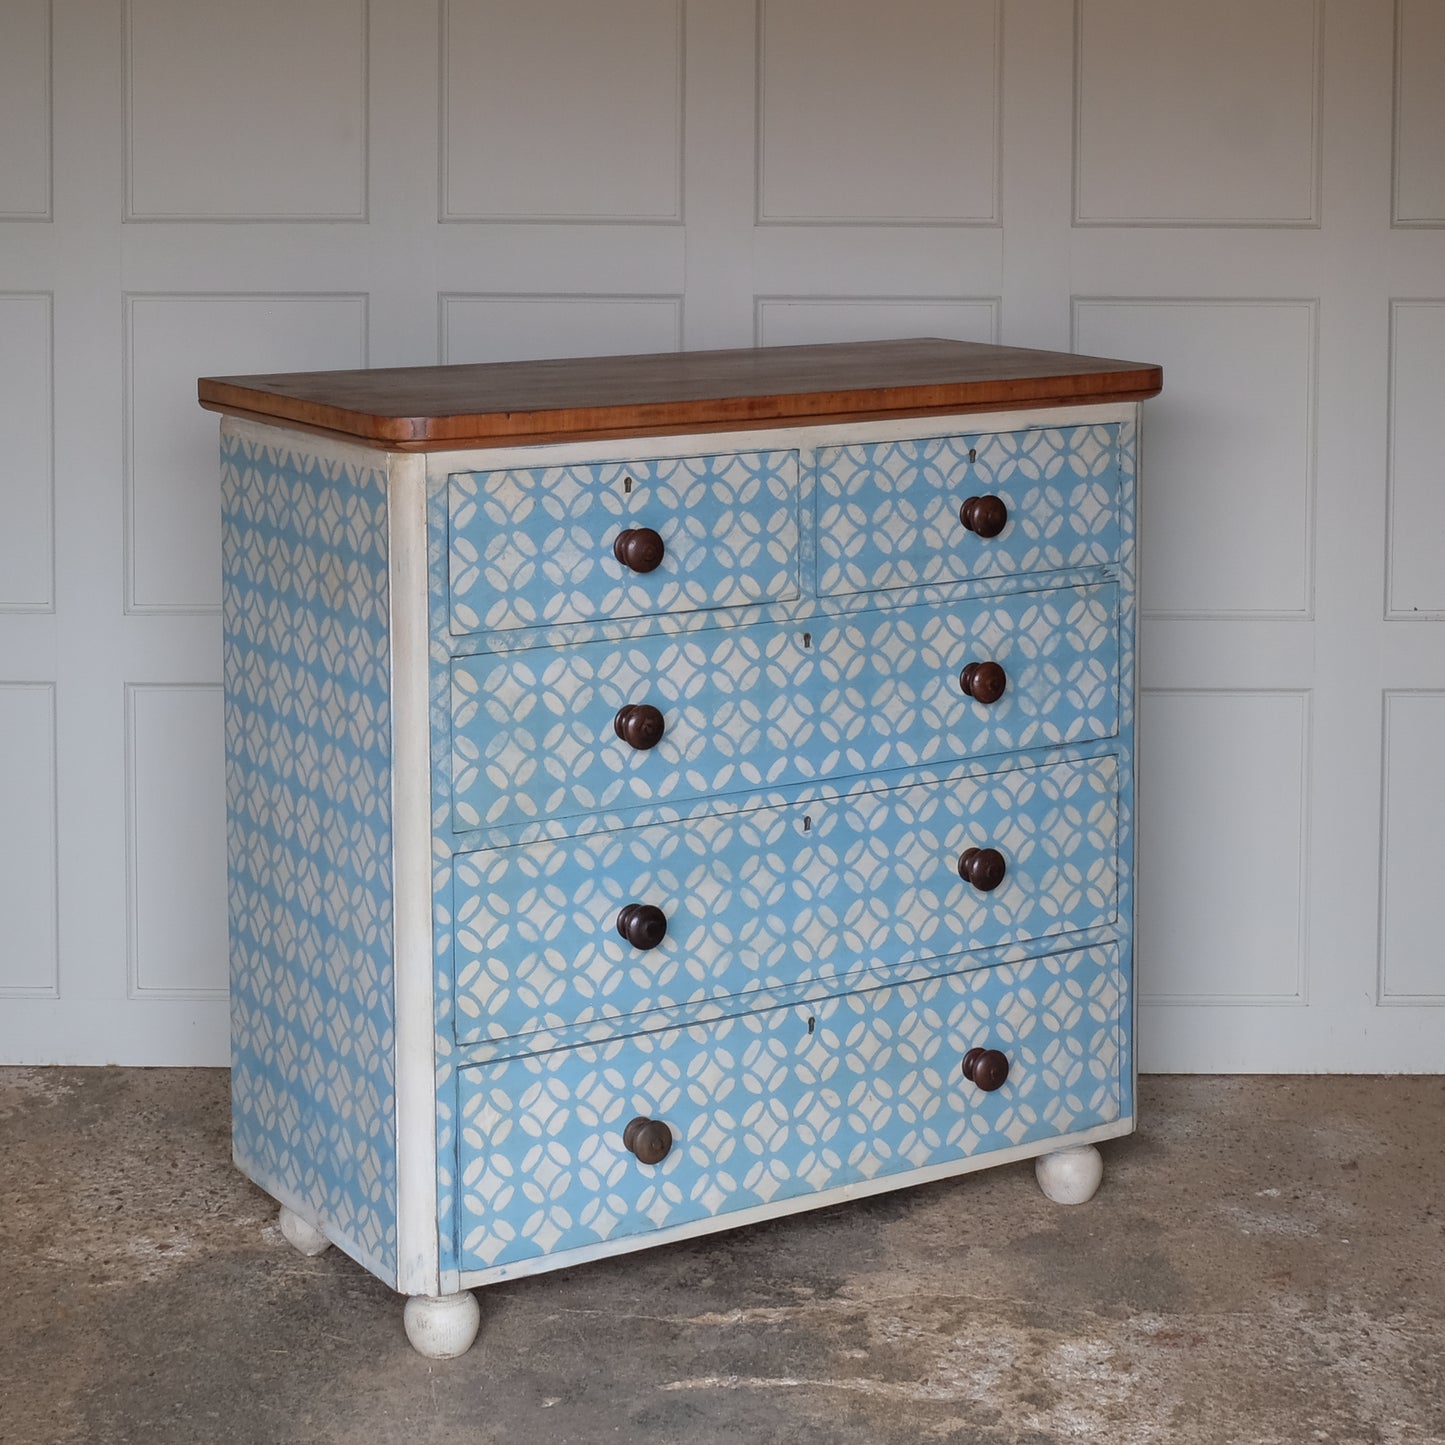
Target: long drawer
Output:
[(534, 546), (775, 1105), (889, 512), (533, 732), (769, 897)]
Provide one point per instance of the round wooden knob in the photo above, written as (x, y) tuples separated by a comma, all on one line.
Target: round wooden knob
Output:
[(649, 1139), (639, 548), (983, 515), (642, 925), (639, 725), (983, 867), (983, 681), (987, 1068)]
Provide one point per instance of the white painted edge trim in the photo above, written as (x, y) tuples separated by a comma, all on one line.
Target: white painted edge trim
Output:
[(821, 434), (417, 1245), (564, 1259)]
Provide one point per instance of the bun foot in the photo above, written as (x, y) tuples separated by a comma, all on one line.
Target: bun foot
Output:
[(301, 1234), (1070, 1176), (441, 1327)]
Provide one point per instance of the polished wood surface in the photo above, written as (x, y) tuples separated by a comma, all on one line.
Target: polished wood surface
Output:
[(649, 1139), (986, 516), (428, 408)]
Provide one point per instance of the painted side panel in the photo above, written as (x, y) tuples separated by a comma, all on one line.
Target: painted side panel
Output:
[(308, 787)]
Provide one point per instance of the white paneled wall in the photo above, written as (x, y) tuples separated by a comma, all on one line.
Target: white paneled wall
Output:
[(1248, 191)]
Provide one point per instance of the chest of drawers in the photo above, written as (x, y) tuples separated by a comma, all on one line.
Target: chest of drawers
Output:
[(665, 793)]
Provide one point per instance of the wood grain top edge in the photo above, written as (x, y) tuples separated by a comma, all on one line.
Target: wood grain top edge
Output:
[(494, 404), (541, 436)]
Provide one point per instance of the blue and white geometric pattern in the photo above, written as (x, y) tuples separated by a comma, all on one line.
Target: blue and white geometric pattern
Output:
[(771, 897), (888, 511), (772, 1105), (529, 547), (308, 793), (777, 703)]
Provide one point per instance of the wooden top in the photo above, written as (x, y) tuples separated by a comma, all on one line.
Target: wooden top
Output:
[(428, 408)]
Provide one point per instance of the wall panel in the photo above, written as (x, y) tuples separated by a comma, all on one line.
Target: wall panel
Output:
[(1228, 451), (527, 328), (246, 112), (1419, 113), (29, 942), (25, 111), (1223, 836), (173, 483), (1197, 115), (801, 320), (1416, 522), (27, 495), (1412, 957), (562, 110), (872, 113), (176, 856)]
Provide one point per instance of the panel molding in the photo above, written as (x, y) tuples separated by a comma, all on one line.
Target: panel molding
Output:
[(548, 298), (47, 212), (1396, 135), (1306, 611), (46, 603), (447, 216), (760, 214), (134, 215), (1384, 998), (1299, 999), (1393, 613), (129, 300), (762, 301), (1314, 219), (135, 989), (51, 764)]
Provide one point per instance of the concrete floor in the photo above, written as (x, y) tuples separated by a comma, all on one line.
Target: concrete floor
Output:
[(1264, 1263)]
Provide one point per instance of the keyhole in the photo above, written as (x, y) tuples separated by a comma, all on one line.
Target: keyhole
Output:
[(811, 1023), (807, 639), (973, 454), (807, 822), (626, 486)]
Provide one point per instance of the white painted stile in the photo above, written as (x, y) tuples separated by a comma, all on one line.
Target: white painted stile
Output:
[(416, 1135), (1250, 195)]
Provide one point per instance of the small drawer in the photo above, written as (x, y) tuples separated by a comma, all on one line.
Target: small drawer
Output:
[(769, 897), (889, 512), (532, 546), (780, 1104), (535, 733)]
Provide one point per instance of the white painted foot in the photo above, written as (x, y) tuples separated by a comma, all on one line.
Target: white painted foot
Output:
[(301, 1234), (441, 1327), (1070, 1176)]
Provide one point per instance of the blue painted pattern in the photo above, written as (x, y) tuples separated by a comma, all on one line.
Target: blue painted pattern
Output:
[(307, 725), (777, 703), (534, 546), (774, 1105), (888, 512), (769, 897), (799, 824)]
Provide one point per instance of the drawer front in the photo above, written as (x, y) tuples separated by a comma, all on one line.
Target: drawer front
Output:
[(769, 897), (528, 547), (888, 512), (533, 732), (780, 1104)]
